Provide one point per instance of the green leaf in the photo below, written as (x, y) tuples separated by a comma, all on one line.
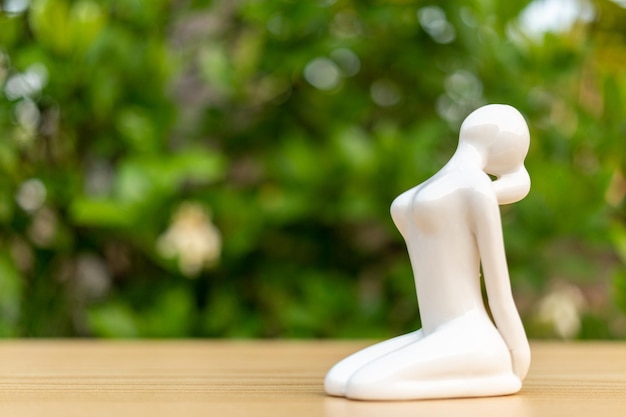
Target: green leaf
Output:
[(619, 289), (113, 320), (137, 128), (195, 165), (10, 296), (170, 316), (86, 20), (49, 20), (215, 67), (101, 213)]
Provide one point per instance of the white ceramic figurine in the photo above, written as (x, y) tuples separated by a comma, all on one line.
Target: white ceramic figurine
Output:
[(451, 225)]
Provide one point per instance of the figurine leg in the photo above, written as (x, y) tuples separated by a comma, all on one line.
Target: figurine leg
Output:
[(338, 376), (463, 358)]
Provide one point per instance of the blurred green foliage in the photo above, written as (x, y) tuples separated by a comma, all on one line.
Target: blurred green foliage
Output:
[(225, 168)]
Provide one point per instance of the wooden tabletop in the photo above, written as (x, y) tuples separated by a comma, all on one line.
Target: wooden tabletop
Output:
[(274, 378)]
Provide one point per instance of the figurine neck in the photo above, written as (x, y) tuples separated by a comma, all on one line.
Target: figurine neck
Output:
[(467, 156)]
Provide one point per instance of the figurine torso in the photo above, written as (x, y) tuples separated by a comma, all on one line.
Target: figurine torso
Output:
[(436, 220)]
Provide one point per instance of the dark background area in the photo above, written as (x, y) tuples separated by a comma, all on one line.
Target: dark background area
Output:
[(225, 168)]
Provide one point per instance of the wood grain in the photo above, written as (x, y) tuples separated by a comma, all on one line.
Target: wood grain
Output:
[(274, 378)]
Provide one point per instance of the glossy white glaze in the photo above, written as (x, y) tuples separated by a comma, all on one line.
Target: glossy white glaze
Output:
[(451, 225)]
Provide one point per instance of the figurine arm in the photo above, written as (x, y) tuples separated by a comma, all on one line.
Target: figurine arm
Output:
[(510, 188), (490, 242)]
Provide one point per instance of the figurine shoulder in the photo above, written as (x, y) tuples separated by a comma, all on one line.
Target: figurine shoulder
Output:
[(479, 187), (473, 180)]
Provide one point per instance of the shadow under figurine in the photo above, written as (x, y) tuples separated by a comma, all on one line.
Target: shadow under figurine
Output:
[(451, 225)]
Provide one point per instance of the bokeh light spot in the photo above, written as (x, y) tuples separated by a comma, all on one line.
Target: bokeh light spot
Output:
[(433, 20), (15, 7), (385, 93), (31, 195), (322, 73), (27, 84), (348, 61)]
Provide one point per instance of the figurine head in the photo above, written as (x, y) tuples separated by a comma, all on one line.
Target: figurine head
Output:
[(500, 134)]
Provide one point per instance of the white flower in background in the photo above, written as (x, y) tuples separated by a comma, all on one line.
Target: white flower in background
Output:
[(93, 278), (561, 309), (192, 238), (44, 226), (31, 195), (22, 254)]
